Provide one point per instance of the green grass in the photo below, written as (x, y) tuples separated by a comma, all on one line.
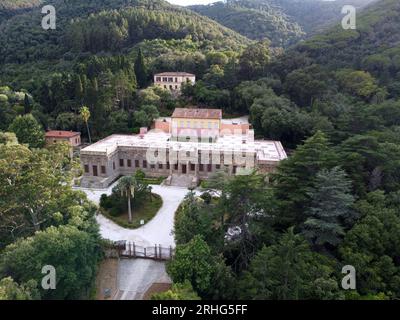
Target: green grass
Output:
[(145, 211)]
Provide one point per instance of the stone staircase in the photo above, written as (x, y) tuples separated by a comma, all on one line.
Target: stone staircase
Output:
[(182, 180)]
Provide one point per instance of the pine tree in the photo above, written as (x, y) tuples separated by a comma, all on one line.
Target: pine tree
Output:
[(331, 206), (141, 70), (295, 177), (289, 270)]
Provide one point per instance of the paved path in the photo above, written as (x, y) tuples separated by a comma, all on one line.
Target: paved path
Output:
[(156, 231), (135, 277)]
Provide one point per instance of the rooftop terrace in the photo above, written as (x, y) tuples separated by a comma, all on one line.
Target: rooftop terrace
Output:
[(264, 150)]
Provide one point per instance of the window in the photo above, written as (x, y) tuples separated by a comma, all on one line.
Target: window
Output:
[(192, 167), (165, 79), (113, 165), (170, 79), (201, 167), (158, 79), (176, 87), (152, 166), (121, 162), (95, 171), (176, 167), (209, 168), (136, 163), (168, 166), (165, 87), (217, 166), (160, 166), (129, 163), (103, 169), (176, 79), (86, 168), (170, 87), (144, 164)]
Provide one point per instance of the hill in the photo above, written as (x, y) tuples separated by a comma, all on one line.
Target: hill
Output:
[(284, 22), (122, 22), (373, 47), (9, 8)]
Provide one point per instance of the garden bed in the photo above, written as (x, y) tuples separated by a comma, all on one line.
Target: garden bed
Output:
[(144, 211)]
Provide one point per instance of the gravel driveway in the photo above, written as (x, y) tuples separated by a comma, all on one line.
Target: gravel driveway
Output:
[(156, 231)]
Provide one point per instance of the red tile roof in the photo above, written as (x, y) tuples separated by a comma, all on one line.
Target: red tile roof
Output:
[(196, 113), (61, 134)]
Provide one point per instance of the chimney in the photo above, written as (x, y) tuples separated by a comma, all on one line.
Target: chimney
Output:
[(143, 131)]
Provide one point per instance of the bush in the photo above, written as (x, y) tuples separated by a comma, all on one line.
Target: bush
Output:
[(206, 196)]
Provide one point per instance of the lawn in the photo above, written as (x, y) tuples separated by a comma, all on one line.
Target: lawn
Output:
[(146, 211)]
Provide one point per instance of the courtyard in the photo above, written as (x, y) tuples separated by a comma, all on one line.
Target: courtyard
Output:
[(156, 231)]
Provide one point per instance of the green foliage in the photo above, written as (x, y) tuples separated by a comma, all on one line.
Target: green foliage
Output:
[(28, 130), (146, 115), (192, 218), (8, 138), (296, 175), (114, 208), (74, 254), (254, 59), (359, 83), (179, 291), (35, 191), (208, 274), (265, 22), (331, 207), (9, 290), (140, 70), (289, 270), (192, 262), (371, 246)]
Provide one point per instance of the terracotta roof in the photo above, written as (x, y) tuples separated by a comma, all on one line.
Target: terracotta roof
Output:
[(61, 134), (175, 74), (196, 113)]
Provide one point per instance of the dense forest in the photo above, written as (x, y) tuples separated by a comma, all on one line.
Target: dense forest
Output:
[(9, 8), (333, 101), (283, 22)]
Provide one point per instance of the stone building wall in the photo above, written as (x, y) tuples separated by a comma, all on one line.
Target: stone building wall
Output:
[(100, 170)]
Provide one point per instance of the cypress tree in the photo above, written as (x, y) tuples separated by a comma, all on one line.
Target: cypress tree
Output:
[(140, 70), (27, 105)]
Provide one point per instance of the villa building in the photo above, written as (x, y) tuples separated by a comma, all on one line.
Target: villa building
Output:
[(70, 137), (173, 80), (189, 146)]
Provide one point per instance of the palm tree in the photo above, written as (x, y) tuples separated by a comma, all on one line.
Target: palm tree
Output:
[(126, 186), (85, 114)]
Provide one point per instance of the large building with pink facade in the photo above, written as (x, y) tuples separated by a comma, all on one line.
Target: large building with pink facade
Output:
[(189, 146)]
